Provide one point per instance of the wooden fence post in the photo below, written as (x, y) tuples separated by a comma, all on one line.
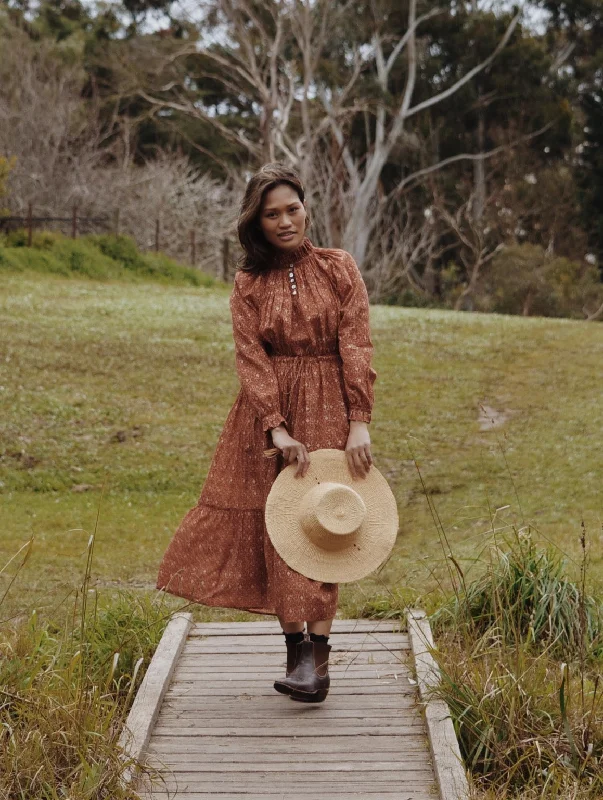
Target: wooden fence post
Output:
[(193, 259), (116, 222), (157, 235), (29, 224), (74, 222), (225, 249)]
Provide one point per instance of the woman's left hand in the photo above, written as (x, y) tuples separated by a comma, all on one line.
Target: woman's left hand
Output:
[(358, 449)]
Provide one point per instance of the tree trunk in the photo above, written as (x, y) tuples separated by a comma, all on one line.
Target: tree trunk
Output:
[(479, 170)]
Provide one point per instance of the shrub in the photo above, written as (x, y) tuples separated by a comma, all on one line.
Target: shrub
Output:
[(40, 240), (523, 280), (120, 248)]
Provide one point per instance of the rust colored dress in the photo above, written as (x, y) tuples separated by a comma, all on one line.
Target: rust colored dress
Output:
[(303, 356)]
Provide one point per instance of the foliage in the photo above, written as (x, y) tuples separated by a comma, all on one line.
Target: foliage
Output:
[(213, 91), (6, 164), (524, 280), (525, 597), (67, 682), (526, 721), (99, 257), (119, 391)]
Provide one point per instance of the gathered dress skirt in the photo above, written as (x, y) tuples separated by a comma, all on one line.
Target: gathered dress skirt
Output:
[(221, 554)]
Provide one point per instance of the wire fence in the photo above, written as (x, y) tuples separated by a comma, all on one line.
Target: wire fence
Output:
[(77, 224)]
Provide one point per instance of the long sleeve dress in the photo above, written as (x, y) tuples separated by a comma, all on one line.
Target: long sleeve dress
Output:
[(303, 354)]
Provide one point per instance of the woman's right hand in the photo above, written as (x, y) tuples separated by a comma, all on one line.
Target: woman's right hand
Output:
[(291, 450)]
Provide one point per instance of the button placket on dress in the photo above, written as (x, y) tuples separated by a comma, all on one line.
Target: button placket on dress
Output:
[(292, 280)]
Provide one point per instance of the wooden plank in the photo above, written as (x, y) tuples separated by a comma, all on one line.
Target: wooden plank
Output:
[(417, 754), (253, 628), (289, 711), (302, 725), (315, 731), (279, 641), (139, 724), (402, 793), (448, 765), (253, 705), (307, 786), (198, 689), (277, 660), (341, 663), (285, 746), (258, 646), (311, 783), (339, 672), (241, 685), (249, 767)]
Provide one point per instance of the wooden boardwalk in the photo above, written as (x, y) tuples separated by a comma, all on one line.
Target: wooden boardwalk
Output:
[(223, 732)]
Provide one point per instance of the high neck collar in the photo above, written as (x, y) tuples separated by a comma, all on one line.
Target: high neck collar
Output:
[(284, 258)]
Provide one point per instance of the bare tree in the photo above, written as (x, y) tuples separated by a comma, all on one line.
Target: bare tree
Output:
[(303, 118), (65, 156), (57, 141), (473, 245), (405, 250)]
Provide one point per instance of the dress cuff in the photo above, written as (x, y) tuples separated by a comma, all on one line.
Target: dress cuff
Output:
[(272, 420), (358, 414)]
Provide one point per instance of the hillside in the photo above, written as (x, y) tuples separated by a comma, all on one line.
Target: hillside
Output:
[(126, 387)]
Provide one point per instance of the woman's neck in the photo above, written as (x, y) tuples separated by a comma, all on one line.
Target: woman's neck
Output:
[(287, 258)]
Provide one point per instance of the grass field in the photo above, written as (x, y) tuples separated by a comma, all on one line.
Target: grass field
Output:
[(113, 395)]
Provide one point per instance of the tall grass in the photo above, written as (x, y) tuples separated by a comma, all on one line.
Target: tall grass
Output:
[(524, 597), (66, 685), (520, 654)]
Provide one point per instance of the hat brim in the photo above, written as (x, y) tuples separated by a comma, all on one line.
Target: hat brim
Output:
[(358, 555)]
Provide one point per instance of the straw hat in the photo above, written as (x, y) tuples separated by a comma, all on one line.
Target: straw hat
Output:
[(328, 525)]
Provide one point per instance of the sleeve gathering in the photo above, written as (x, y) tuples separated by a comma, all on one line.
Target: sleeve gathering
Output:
[(355, 345), (256, 373)]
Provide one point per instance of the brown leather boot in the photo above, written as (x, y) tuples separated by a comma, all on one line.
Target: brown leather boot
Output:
[(309, 682), (293, 654)]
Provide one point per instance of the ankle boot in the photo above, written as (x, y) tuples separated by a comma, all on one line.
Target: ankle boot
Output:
[(309, 682), (293, 654)]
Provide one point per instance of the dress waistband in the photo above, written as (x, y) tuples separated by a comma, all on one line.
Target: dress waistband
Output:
[(279, 357)]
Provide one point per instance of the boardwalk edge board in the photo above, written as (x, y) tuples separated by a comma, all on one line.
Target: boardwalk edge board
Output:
[(139, 725), (447, 762)]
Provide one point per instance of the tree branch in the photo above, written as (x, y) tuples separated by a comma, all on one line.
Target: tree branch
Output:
[(467, 157), (466, 78)]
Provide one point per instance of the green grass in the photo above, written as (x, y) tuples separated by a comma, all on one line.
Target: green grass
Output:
[(67, 682), (122, 387), (520, 658), (113, 394), (100, 257)]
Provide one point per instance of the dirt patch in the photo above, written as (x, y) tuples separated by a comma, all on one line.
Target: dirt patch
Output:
[(489, 417)]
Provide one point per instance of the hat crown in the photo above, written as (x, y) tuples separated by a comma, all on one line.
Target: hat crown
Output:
[(329, 525), (331, 509)]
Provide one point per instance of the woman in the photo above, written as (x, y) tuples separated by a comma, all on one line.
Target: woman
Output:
[(303, 351)]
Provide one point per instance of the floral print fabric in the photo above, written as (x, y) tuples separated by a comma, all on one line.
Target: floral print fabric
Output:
[(303, 355)]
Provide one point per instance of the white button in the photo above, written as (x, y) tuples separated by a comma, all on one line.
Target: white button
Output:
[(294, 291)]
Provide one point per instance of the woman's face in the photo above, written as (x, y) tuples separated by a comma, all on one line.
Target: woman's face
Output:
[(283, 218)]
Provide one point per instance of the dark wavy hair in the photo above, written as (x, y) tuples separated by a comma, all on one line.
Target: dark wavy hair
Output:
[(257, 251)]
